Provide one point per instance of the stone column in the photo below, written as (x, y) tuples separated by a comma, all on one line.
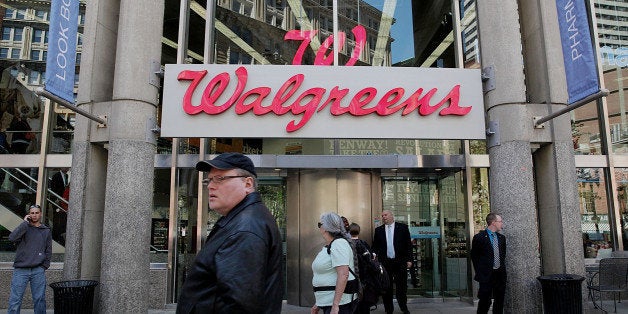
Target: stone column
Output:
[(129, 185), (558, 206), (512, 181), (89, 156)]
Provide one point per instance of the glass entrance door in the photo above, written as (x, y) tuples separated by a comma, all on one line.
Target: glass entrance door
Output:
[(433, 207), (272, 191)]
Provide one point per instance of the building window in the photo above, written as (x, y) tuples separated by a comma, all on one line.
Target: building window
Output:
[(17, 34), (6, 33), (33, 78), (9, 13), (20, 14), (4, 53), (41, 15), (78, 58), (35, 55), (15, 53), (38, 35)]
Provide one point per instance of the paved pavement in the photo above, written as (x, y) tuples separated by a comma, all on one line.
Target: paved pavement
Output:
[(416, 306)]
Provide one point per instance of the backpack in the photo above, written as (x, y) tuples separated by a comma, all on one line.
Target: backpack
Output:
[(373, 276), (353, 285)]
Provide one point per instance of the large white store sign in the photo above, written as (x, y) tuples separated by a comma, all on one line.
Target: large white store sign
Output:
[(275, 101)]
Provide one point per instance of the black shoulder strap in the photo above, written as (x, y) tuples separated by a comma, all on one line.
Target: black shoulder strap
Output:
[(329, 245), (329, 252)]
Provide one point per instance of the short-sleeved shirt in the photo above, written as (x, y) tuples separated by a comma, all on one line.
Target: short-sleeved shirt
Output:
[(324, 269)]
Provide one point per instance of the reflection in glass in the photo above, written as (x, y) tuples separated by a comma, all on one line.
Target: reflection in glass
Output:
[(480, 196), (160, 216), (57, 198), (187, 228), (62, 132), (585, 130), (621, 179), (18, 190), (596, 231)]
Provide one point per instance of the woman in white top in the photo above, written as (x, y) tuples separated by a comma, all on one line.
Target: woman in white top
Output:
[(334, 284)]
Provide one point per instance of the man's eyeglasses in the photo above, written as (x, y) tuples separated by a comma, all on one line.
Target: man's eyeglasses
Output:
[(219, 179), (35, 206), (320, 224)]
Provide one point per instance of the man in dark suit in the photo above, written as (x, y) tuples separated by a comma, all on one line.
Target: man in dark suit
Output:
[(488, 253), (393, 247), (59, 182)]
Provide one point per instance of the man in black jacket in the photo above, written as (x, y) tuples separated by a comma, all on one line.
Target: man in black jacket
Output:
[(239, 268), (488, 253), (393, 247)]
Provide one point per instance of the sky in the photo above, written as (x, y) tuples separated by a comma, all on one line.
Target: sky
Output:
[(402, 47)]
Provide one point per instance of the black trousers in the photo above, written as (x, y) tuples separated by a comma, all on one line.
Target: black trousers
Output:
[(398, 275), (495, 288)]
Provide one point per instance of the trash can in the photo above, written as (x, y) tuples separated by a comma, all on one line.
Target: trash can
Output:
[(562, 293), (73, 296)]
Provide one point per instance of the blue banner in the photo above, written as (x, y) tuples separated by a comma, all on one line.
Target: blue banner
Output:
[(578, 54), (61, 60)]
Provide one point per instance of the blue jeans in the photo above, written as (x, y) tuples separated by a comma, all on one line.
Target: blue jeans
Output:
[(21, 277)]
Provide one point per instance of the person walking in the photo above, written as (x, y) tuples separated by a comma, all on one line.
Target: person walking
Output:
[(488, 254), (393, 247), (238, 270), (32, 258), (333, 280)]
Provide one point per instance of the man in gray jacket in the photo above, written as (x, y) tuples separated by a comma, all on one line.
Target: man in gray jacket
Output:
[(239, 268), (32, 258)]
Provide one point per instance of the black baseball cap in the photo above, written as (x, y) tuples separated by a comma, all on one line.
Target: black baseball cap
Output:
[(226, 161)]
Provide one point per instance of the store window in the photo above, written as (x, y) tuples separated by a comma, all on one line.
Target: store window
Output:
[(62, 132), (480, 197), (160, 217), (18, 189), (613, 45), (621, 181), (585, 130), (595, 222), (57, 200)]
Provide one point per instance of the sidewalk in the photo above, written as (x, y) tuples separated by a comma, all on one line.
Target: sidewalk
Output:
[(414, 305), (418, 306)]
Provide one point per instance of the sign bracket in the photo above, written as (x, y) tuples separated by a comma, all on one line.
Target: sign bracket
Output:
[(538, 121), (102, 120)]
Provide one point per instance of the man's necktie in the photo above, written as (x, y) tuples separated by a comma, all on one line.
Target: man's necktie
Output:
[(390, 249), (496, 262)]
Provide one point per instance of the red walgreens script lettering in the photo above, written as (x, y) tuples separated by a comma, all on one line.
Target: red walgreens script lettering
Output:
[(310, 101)]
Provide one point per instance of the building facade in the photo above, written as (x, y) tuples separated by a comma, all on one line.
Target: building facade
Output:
[(132, 212)]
